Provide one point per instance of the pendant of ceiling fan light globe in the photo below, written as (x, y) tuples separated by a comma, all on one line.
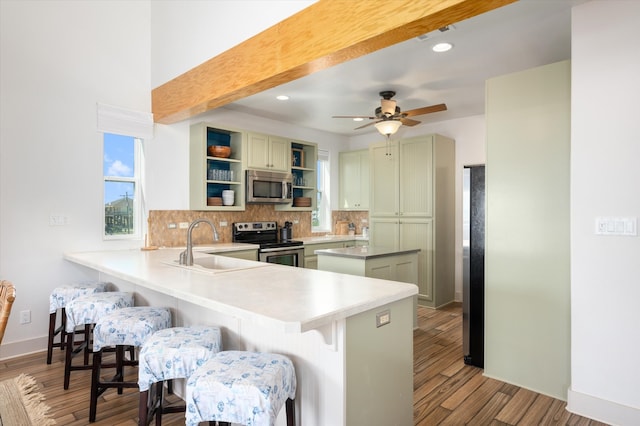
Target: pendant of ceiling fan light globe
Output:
[(388, 127)]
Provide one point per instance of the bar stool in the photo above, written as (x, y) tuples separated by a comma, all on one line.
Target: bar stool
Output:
[(85, 311), (241, 387), (172, 353), (58, 300), (122, 328)]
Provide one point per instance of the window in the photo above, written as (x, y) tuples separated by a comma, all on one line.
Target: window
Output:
[(121, 170), (321, 216)]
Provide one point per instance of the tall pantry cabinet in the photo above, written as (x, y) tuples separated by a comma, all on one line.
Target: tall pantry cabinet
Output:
[(412, 205)]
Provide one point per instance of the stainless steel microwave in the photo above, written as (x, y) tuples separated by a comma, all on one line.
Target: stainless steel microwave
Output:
[(269, 187)]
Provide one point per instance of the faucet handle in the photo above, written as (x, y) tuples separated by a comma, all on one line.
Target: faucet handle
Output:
[(183, 257)]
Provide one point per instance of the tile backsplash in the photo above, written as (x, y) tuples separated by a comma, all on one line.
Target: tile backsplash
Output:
[(358, 218), (160, 235)]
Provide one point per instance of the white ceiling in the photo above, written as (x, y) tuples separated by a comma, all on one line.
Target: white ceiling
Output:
[(516, 37)]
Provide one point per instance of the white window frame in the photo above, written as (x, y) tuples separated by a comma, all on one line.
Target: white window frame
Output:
[(138, 125), (137, 194), (323, 168)]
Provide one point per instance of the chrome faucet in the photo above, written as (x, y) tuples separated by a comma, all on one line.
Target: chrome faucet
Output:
[(186, 257)]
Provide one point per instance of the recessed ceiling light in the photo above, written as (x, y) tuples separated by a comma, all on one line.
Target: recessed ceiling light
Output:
[(442, 47), (282, 98), (358, 119)]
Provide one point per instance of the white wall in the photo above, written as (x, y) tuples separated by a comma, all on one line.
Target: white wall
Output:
[(186, 33), (57, 59), (605, 177)]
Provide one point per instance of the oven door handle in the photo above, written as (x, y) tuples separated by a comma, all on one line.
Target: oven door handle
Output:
[(291, 248)]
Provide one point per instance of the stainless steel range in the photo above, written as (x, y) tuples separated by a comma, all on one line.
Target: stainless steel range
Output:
[(272, 250)]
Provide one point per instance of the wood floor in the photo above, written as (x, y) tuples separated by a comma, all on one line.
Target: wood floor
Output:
[(446, 391)]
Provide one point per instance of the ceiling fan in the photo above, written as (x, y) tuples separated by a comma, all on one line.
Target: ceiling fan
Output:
[(389, 117)]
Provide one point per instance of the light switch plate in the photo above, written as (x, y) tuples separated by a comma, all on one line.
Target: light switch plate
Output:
[(627, 226)]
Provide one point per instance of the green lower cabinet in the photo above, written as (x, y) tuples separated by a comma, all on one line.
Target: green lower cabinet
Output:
[(401, 267)]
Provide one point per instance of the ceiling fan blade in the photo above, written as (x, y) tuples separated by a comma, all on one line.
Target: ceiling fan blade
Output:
[(353, 116), (425, 110), (409, 122), (365, 125)]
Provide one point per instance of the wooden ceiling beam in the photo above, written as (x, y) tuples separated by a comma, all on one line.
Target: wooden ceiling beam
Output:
[(325, 34)]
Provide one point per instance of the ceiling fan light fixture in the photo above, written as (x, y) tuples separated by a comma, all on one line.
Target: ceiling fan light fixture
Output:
[(442, 47), (388, 127)]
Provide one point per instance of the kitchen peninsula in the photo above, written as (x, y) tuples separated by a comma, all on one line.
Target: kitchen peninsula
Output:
[(352, 367)]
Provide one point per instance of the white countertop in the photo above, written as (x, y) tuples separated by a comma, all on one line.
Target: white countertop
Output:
[(366, 252), (292, 299)]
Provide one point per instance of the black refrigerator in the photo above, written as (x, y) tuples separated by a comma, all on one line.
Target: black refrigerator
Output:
[(473, 265)]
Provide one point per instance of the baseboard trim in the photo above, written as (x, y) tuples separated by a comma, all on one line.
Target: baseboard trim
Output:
[(602, 410), (23, 347)]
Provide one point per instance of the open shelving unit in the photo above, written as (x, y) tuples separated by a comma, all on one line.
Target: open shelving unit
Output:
[(210, 175), (303, 168)]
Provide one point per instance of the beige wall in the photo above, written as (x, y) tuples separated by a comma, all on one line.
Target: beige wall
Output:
[(527, 280)]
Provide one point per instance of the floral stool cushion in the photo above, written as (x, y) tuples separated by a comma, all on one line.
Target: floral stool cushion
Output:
[(89, 308), (129, 326), (61, 296), (248, 388), (175, 353)]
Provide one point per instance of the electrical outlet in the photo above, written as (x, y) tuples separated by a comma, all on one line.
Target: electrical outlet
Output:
[(183, 225), (57, 220), (383, 318), (223, 223), (172, 226), (25, 317)]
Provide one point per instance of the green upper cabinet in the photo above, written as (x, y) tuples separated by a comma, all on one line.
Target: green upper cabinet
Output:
[(403, 178), (266, 152), (354, 180)]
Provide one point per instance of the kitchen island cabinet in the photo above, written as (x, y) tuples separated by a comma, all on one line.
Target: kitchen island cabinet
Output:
[(325, 322), (385, 263)]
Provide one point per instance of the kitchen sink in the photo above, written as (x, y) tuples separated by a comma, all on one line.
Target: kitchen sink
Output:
[(212, 264)]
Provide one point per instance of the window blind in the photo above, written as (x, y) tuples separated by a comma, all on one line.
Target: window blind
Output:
[(120, 121)]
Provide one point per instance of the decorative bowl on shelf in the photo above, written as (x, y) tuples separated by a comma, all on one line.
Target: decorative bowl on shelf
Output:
[(219, 151)]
